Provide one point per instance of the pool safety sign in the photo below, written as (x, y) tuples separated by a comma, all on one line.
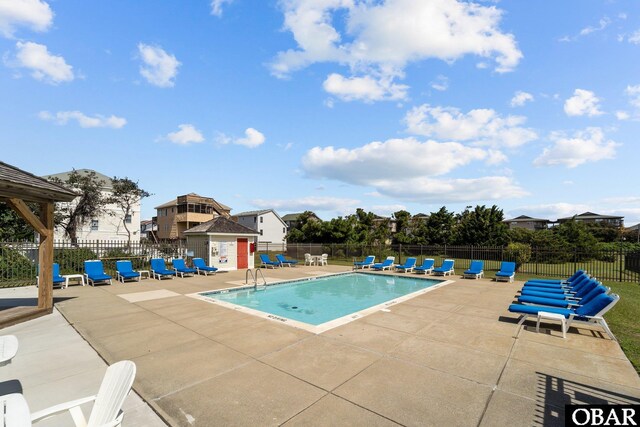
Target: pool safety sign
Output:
[(602, 415)]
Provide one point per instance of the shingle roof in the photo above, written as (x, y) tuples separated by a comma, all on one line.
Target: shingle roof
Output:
[(15, 182), (524, 218), (252, 213), (591, 215), (64, 176), (291, 216), (221, 225)]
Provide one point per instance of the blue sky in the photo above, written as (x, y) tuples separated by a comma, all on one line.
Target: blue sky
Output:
[(330, 105)]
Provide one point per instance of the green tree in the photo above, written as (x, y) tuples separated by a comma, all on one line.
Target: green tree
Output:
[(404, 229), (126, 194), (89, 204), (439, 227), (13, 228), (481, 226)]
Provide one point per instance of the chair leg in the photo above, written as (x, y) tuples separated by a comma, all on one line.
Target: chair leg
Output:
[(604, 325)]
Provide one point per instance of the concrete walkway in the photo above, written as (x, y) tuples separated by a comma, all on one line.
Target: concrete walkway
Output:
[(453, 356), (54, 364)]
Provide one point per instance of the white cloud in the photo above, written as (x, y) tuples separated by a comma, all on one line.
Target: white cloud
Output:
[(583, 102), (253, 138), (480, 126), (186, 135), (33, 14), (311, 203), (622, 115), (633, 93), (553, 211), (634, 38), (380, 38), (159, 68), (589, 145), (365, 88), (520, 98), (603, 23), (405, 168), (441, 83), (98, 121), (216, 6), (44, 66), (495, 157)]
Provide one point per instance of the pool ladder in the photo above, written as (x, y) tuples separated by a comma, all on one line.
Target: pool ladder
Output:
[(254, 277)]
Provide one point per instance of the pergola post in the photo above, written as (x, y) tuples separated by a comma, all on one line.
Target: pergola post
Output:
[(45, 256)]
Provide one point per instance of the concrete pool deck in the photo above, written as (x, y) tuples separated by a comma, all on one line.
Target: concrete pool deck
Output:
[(453, 356)]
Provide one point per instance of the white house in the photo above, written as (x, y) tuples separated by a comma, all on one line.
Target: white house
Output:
[(270, 227), (108, 226)]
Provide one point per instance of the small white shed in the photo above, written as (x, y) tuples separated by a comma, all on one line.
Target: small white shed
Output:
[(222, 243)]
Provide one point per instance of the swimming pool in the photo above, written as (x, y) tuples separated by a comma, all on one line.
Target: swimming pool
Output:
[(321, 303)]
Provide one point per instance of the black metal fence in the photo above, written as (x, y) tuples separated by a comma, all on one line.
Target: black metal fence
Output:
[(619, 265), (18, 260)]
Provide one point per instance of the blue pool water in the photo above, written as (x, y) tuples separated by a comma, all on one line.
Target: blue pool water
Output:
[(319, 300)]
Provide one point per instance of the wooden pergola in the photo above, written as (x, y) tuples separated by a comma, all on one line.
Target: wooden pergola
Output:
[(17, 187)]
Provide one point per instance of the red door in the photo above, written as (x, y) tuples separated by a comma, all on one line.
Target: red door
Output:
[(243, 250)]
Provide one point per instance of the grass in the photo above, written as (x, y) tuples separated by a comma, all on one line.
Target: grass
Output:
[(624, 319)]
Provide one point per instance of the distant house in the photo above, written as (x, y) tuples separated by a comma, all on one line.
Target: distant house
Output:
[(391, 222), (270, 227), (175, 217), (148, 229), (108, 226), (527, 223), (633, 228), (594, 218), (292, 220), (420, 217)]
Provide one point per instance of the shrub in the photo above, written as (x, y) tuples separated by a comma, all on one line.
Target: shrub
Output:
[(14, 265), (518, 252), (72, 260)]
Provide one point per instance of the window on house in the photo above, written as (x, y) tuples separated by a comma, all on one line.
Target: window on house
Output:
[(254, 219), (127, 219), (94, 225), (283, 230), (261, 231), (261, 220)]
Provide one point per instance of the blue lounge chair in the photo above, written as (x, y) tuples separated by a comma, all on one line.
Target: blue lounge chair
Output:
[(201, 267), (567, 302), (408, 265), (475, 270), (507, 272), (572, 291), (181, 267), (266, 262), (124, 271), (580, 280), (159, 270), (367, 263), (445, 268), (426, 267), (387, 264), (283, 261), (57, 278), (575, 276), (592, 312), (94, 272)]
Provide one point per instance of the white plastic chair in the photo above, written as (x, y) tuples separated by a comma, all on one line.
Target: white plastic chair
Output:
[(324, 260), (308, 259), (8, 348), (106, 410)]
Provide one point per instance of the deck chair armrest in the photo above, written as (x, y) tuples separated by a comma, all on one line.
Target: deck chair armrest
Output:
[(67, 406)]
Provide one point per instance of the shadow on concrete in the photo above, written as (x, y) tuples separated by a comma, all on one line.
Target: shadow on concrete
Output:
[(554, 392)]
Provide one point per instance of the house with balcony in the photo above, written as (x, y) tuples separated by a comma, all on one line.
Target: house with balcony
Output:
[(594, 218), (269, 225), (112, 224), (527, 222), (184, 212)]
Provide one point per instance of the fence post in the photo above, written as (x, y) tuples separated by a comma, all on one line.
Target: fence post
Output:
[(621, 263)]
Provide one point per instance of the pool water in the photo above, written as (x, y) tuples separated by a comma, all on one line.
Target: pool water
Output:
[(319, 300)]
